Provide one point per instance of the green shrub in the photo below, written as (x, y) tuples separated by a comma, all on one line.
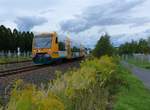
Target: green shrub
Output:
[(1, 108), (87, 88), (30, 98)]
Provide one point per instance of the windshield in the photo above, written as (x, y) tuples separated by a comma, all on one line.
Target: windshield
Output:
[(42, 41)]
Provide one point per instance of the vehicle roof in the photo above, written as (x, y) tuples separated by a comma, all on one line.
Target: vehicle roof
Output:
[(45, 33)]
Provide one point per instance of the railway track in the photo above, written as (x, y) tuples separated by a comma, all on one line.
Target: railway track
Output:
[(15, 62), (10, 72)]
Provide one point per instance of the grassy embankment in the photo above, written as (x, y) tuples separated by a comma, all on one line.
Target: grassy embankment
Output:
[(92, 87), (132, 94), (14, 59), (139, 63)]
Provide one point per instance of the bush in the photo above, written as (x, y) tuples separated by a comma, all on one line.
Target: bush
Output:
[(30, 98), (86, 88), (103, 47)]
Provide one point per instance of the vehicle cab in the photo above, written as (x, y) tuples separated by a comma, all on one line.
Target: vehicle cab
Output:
[(45, 48)]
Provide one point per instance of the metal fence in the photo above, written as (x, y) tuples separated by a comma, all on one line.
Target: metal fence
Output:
[(15, 54), (141, 57)]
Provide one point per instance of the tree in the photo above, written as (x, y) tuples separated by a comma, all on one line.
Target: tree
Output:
[(103, 47), (149, 41), (142, 46), (12, 40)]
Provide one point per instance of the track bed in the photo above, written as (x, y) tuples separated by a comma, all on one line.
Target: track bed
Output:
[(36, 76)]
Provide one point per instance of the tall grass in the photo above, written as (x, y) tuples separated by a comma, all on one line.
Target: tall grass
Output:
[(27, 97), (132, 94), (87, 88)]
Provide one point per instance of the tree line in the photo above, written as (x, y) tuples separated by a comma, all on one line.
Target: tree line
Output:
[(142, 46), (105, 47), (11, 40)]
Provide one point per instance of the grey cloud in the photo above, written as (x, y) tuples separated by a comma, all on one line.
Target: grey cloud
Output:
[(139, 21), (28, 22), (147, 31), (114, 13), (120, 39), (74, 25), (47, 11)]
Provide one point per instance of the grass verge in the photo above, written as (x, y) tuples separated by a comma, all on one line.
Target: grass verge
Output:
[(139, 63), (132, 94), (14, 59)]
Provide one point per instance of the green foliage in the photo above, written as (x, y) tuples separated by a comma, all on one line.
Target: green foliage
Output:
[(140, 63), (132, 94), (1, 108), (143, 46), (30, 98), (103, 47), (87, 88), (12, 40), (14, 59), (0, 103)]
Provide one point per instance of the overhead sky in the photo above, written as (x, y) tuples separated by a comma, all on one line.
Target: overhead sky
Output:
[(85, 20)]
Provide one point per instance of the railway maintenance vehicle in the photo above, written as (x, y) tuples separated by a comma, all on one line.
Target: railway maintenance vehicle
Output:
[(47, 48)]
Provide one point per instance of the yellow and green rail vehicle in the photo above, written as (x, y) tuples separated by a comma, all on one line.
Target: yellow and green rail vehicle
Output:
[(47, 48)]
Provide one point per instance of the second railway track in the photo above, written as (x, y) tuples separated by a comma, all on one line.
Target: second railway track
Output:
[(16, 62), (10, 72)]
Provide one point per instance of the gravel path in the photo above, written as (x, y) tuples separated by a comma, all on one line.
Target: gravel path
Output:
[(142, 74)]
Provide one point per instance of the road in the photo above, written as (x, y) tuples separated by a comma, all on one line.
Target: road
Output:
[(142, 74)]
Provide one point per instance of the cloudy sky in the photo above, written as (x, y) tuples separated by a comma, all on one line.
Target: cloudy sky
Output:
[(84, 20)]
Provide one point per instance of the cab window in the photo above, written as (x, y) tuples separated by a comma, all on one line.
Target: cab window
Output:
[(56, 40)]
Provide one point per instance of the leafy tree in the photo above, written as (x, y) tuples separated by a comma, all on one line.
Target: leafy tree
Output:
[(103, 47), (10, 41), (148, 41), (142, 46)]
